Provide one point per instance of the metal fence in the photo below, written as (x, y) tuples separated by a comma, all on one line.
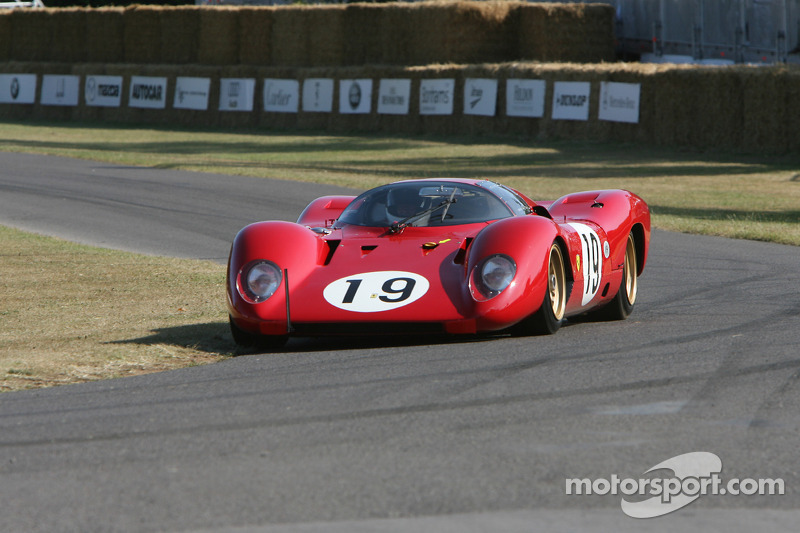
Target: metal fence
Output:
[(735, 31)]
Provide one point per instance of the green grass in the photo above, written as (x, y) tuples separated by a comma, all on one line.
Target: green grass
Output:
[(729, 194), (72, 313)]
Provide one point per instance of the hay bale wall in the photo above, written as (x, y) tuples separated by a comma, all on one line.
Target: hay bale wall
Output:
[(750, 109), (313, 36), (105, 35)]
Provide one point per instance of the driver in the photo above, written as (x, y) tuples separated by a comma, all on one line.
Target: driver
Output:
[(403, 202)]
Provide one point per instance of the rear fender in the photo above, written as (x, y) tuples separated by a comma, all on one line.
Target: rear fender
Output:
[(617, 211), (323, 212)]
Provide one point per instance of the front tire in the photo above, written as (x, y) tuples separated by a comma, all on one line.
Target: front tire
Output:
[(246, 339), (547, 320)]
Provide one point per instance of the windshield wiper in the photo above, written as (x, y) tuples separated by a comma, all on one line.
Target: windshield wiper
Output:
[(399, 225)]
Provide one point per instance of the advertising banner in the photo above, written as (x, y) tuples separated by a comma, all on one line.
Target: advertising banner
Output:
[(480, 97), (436, 96), (394, 96), (355, 96), (571, 100), (103, 91), (148, 92), (236, 94), (619, 102), (281, 96), (525, 98), (17, 88), (191, 93), (318, 95), (60, 89)]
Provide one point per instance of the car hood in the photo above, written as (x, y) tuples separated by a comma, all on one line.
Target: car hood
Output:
[(370, 274)]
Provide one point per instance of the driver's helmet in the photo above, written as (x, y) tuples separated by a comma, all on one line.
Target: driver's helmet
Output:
[(403, 202)]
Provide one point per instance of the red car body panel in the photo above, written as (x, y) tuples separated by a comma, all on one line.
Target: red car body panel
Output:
[(359, 279)]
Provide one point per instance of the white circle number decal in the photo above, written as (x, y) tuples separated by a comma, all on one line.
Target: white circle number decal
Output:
[(371, 292)]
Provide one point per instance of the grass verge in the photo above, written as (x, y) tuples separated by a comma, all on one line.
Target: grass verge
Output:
[(73, 313)]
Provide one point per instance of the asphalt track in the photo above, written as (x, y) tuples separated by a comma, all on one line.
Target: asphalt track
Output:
[(403, 434)]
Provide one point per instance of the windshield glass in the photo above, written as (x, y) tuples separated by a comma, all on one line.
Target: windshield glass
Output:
[(423, 204)]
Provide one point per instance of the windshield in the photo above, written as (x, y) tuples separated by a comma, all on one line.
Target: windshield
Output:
[(424, 204)]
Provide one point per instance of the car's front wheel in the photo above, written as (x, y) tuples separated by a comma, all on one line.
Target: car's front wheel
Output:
[(247, 339), (548, 318)]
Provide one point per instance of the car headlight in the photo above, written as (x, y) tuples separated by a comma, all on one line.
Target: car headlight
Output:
[(259, 280), (492, 276)]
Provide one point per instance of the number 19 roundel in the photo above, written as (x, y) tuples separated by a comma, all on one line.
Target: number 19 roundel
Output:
[(592, 261), (371, 292)]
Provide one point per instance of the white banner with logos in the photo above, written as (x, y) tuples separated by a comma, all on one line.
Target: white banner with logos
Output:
[(17, 88), (355, 96), (571, 100), (236, 94), (148, 92), (619, 102), (480, 97), (525, 98), (394, 96), (281, 96), (103, 91), (58, 89), (436, 96), (318, 95), (191, 93)]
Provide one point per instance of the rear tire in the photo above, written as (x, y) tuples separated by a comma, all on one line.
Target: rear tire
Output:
[(547, 320), (621, 306), (246, 339)]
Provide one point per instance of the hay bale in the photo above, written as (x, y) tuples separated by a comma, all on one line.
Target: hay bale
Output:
[(429, 44), (5, 34), (31, 34), (396, 35), (180, 27), (363, 44), (105, 35), (255, 35), (309, 36), (287, 45), (69, 35), (326, 43), (479, 32), (219, 36), (580, 33), (456, 32), (142, 34), (763, 109), (791, 97)]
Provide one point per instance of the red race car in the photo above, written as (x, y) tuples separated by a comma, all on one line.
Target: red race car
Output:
[(437, 256)]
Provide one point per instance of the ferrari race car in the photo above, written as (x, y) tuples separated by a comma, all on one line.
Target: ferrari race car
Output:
[(437, 256)]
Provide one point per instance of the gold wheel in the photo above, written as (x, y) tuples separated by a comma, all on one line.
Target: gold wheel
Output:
[(557, 283), (631, 280)]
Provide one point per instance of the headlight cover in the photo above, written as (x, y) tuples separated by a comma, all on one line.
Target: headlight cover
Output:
[(259, 280), (492, 276)]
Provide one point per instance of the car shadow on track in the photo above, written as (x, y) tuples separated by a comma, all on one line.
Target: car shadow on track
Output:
[(215, 337)]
